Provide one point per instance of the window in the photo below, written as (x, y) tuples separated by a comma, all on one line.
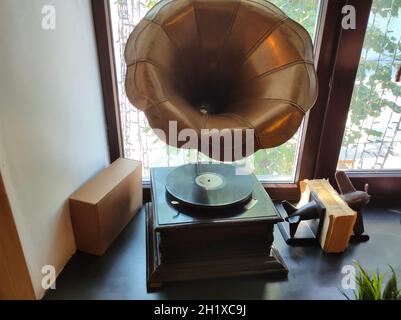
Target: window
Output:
[(372, 139), (139, 142)]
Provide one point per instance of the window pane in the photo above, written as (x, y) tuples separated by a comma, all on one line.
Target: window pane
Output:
[(372, 140), (140, 143)]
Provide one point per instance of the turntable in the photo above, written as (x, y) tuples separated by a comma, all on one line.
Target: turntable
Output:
[(217, 65), (215, 224)]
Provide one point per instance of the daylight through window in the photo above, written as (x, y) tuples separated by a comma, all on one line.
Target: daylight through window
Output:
[(372, 139), (278, 164)]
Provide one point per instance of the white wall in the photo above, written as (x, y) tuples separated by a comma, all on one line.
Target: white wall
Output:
[(52, 128)]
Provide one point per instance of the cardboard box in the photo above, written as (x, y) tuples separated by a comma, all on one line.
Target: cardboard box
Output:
[(103, 206)]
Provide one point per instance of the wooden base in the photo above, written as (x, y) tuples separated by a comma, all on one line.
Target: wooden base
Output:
[(161, 271)]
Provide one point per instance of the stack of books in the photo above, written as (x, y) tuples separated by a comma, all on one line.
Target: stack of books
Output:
[(339, 220)]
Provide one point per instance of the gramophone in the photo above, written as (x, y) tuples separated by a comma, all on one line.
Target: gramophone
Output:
[(201, 71)]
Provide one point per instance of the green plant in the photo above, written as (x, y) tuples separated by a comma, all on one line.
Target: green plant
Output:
[(376, 95), (150, 3), (370, 287)]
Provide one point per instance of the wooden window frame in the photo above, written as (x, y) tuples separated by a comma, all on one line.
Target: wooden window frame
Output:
[(383, 184), (104, 42), (338, 53)]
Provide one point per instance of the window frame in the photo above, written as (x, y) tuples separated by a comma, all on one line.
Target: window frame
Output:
[(337, 54), (104, 42)]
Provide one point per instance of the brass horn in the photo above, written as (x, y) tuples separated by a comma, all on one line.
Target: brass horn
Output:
[(244, 62)]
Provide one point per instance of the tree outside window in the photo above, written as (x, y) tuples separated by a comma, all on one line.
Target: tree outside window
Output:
[(372, 139), (278, 164)]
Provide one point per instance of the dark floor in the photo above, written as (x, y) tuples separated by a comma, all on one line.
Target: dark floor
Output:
[(120, 274)]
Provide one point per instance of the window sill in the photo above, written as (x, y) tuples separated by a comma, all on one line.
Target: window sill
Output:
[(374, 173), (383, 184)]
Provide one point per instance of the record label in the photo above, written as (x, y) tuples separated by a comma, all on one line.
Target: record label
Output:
[(210, 181)]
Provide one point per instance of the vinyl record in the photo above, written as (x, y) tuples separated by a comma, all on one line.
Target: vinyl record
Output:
[(206, 185)]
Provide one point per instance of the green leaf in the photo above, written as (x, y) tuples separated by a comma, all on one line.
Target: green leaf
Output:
[(391, 291), (345, 295), (369, 287)]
